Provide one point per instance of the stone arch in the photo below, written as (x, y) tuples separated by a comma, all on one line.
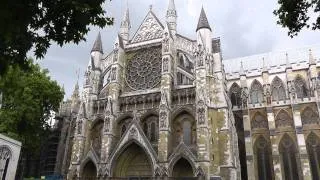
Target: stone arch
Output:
[(182, 168), (263, 158), (309, 116), (235, 95), (183, 109), (259, 121), (256, 92), (301, 87), (183, 129), (89, 170), (278, 89), (289, 157), (283, 119), (131, 154), (188, 160), (313, 149), (5, 157)]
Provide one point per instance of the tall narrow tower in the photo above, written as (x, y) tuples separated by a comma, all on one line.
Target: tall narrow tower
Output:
[(125, 25), (171, 17)]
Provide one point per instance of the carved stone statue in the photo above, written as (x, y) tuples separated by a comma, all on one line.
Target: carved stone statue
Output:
[(80, 126), (201, 112), (107, 124), (244, 97), (113, 74), (165, 42), (115, 53), (165, 65)]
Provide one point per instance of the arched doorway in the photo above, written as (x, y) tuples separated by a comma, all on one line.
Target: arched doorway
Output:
[(132, 162), (182, 169), (89, 171)]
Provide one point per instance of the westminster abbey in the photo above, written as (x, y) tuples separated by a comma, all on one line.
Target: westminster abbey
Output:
[(163, 106)]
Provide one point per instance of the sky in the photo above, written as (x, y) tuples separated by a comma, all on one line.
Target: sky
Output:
[(245, 28)]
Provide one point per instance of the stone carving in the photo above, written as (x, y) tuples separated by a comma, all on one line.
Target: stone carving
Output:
[(185, 45), (133, 133), (87, 77), (267, 93), (201, 112), (244, 97), (143, 71), (5, 153), (115, 53), (259, 122), (107, 124), (79, 124), (283, 120), (163, 119), (200, 55), (308, 116), (113, 74), (165, 64), (165, 42), (149, 29)]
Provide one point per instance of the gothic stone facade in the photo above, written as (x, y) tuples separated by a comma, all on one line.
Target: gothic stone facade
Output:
[(162, 105)]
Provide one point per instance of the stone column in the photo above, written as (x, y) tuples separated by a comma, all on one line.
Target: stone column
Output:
[(248, 144), (301, 142)]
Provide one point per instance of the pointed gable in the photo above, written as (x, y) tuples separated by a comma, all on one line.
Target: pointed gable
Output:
[(150, 28)]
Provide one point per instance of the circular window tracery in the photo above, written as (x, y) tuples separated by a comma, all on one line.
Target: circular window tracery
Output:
[(143, 71)]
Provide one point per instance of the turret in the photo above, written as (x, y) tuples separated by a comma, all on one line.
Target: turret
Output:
[(204, 34), (125, 25), (97, 52), (171, 17), (75, 99)]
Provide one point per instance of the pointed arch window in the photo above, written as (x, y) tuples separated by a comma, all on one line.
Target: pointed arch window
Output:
[(309, 116), (256, 93), (278, 90), (301, 87), (262, 153), (283, 119), (5, 156), (186, 132), (259, 121), (153, 132), (235, 95), (313, 148), (288, 150)]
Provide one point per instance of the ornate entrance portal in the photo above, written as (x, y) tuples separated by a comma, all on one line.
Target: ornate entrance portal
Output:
[(132, 162), (89, 171), (182, 169)]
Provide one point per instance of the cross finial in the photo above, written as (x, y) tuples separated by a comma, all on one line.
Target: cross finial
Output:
[(150, 7)]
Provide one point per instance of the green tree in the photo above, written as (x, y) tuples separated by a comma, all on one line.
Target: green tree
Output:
[(27, 24), (294, 15), (29, 97)]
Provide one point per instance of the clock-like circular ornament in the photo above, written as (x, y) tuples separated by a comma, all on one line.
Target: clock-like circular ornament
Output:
[(143, 70)]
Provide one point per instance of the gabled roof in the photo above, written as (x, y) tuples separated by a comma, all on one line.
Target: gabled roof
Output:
[(150, 28), (203, 21)]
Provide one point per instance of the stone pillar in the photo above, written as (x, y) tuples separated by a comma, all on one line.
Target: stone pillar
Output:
[(301, 142), (248, 144), (166, 88), (274, 145)]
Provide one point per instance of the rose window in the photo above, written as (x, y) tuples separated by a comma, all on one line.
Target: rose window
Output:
[(143, 70)]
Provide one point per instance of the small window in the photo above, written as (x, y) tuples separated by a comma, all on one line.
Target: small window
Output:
[(153, 132), (187, 132)]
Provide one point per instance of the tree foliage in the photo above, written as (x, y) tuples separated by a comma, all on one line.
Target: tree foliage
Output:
[(294, 15), (35, 24), (29, 97)]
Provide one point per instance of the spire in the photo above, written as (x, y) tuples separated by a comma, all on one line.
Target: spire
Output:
[(311, 59), (97, 46), (203, 21), (242, 69), (288, 65), (264, 67), (126, 18), (171, 17), (171, 5)]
